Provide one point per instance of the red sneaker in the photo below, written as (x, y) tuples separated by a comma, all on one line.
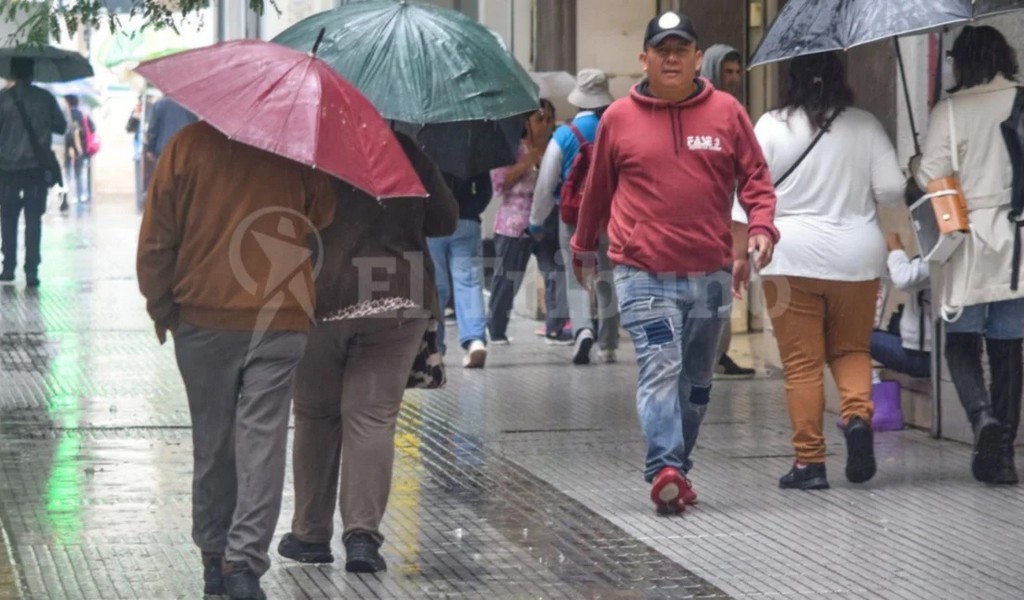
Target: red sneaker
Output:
[(667, 491), (687, 495)]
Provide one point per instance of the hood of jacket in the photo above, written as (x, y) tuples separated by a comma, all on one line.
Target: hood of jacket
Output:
[(711, 65), (673, 111)]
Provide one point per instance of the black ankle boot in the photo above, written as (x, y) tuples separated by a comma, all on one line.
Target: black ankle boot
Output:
[(1006, 365), (810, 477)]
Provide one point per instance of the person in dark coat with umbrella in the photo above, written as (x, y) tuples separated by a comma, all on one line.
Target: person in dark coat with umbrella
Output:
[(23, 179)]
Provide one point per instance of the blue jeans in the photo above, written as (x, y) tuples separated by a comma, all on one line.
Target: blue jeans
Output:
[(459, 256), (676, 323), (887, 348), (996, 320)]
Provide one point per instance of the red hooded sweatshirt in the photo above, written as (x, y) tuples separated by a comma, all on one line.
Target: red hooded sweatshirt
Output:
[(664, 173)]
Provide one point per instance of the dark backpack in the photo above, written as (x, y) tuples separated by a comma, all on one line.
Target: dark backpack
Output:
[(1013, 134), (572, 188)]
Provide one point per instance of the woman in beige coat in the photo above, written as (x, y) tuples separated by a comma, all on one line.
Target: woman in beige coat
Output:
[(974, 285)]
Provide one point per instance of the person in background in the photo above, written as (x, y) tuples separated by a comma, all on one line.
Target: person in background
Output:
[(513, 245), (909, 350), (76, 152), (24, 181), (592, 96), (166, 119), (976, 298), (723, 67), (459, 269), (822, 287)]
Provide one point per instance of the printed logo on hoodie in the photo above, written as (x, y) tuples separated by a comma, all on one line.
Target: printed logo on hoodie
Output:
[(704, 143)]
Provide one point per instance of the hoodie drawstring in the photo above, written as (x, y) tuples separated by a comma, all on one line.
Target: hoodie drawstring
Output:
[(675, 118)]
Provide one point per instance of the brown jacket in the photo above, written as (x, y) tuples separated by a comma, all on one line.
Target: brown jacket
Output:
[(225, 235), (378, 249)]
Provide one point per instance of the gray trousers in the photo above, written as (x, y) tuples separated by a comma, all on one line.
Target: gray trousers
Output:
[(348, 391), (579, 298), (238, 398)]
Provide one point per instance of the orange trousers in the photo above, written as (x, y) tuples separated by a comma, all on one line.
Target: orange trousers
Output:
[(819, 322)]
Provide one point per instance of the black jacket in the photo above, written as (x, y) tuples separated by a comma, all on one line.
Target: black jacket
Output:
[(473, 194), (45, 116)]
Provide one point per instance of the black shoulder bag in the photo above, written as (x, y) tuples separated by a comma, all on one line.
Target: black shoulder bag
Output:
[(814, 143), (44, 156)]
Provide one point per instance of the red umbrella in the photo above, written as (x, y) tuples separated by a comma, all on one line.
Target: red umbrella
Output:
[(291, 104)]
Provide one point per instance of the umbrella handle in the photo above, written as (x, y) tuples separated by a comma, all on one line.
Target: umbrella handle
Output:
[(906, 95), (319, 38)]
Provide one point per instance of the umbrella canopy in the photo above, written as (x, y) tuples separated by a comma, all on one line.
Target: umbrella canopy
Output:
[(51, 64), (427, 68), (812, 26), (985, 8), (132, 47), (291, 104)]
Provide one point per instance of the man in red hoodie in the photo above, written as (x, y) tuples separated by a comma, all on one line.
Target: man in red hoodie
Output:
[(666, 162)]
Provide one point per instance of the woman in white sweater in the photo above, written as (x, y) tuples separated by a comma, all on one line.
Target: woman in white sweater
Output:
[(976, 294), (822, 284)]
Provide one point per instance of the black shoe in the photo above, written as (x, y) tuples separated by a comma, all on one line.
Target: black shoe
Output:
[(213, 575), (241, 583), (64, 202), (6, 276), (810, 477), (581, 349), (362, 554), (728, 369), (304, 552), (985, 460), (1006, 474), (860, 451), (32, 281)]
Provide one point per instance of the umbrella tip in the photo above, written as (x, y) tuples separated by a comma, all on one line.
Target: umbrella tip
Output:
[(319, 38)]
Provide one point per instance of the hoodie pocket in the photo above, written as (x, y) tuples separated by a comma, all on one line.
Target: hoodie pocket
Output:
[(690, 245)]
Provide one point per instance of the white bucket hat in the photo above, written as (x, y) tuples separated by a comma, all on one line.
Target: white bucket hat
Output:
[(591, 90)]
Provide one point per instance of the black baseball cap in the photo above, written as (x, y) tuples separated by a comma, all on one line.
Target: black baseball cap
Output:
[(669, 24)]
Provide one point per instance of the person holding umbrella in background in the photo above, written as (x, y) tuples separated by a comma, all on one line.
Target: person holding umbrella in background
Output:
[(28, 167)]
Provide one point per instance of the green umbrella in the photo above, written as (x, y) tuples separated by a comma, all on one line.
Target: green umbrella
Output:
[(132, 47), (440, 75)]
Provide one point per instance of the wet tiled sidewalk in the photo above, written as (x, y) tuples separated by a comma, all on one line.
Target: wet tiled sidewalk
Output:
[(518, 481)]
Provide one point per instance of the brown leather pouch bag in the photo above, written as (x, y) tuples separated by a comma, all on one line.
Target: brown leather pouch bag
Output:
[(949, 204)]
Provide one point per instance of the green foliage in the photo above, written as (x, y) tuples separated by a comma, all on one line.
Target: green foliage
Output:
[(42, 21)]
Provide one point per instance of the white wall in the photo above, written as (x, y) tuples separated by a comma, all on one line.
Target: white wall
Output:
[(609, 36)]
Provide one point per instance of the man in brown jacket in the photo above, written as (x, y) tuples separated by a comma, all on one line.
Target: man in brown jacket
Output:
[(224, 264)]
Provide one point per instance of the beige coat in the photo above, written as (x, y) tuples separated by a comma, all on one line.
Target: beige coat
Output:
[(979, 271)]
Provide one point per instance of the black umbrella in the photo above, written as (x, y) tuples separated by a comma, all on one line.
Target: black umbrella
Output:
[(812, 26), (467, 148), (51, 64)]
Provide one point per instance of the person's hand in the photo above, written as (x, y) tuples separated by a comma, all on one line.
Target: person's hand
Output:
[(740, 277), (761, 248), (150, 156), (893, 242), (584, 266)]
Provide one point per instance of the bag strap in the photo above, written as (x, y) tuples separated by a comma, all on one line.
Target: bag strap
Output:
[(576, 132), (814, 143), (920, 320), (33, 140), (954, 150)]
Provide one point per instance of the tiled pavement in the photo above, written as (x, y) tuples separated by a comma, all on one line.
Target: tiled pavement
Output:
[(518, 481)]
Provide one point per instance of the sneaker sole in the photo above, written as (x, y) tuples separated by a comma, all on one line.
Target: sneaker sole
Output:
[(985, 460), (860, 455), (582, 355), (476, 359)]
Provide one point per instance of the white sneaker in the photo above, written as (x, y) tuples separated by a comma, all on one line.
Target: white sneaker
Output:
[(581, 349), (476, 355), (606, 356)]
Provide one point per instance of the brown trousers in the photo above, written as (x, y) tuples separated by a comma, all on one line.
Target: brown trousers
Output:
[(819, 322), (348, 391)]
